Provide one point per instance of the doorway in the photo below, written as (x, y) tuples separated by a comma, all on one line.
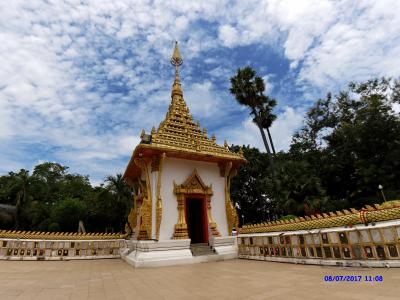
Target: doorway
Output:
[(196, 220)]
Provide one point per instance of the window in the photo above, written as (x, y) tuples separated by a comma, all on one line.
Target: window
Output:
[(325, 238), (319, 251), (311, 251), (353, 236), (364, 236), (287, 239), (357, 251), (376, 236), (343, 238), (380, 252), (336, 252), (346, 252), (327, 252), (316, 239), (301, 238), (368, 251), (393, 251), (309, 239), (388, 234)]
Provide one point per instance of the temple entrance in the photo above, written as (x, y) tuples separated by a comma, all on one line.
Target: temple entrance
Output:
[(196, 220)]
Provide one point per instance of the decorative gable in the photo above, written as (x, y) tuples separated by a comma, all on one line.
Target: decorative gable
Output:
[(193, 185)]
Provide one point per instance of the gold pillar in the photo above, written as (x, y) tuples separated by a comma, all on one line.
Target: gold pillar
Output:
[(212, 224), (145, 209), (181, 230), (231, 215), (159, 201)]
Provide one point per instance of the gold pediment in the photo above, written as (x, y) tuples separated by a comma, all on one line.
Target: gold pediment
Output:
[(193, 185)]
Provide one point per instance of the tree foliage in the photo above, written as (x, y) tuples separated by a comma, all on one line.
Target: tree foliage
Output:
[(248, 89), (349, 144), (51, 199)]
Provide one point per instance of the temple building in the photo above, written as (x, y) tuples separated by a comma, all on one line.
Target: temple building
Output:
[(181, 178)]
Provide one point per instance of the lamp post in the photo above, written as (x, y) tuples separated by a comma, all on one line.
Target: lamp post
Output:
[(380, 187)]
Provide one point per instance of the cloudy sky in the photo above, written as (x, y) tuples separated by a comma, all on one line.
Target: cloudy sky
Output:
[(80, 79)]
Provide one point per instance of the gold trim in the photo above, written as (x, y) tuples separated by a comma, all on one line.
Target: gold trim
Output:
[(37, 235), (388, 211), (159, 206), (231, 214), (145, 209), (192, 185)]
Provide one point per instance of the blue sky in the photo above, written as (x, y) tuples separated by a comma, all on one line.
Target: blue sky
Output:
[(80, 79)]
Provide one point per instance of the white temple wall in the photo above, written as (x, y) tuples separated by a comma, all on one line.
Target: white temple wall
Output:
[(179, 170)]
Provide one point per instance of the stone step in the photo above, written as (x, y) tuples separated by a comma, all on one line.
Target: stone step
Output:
[(201, 249)]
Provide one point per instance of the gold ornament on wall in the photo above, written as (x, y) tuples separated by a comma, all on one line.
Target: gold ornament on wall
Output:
[(145, 208), (159, 206), (192, 185), (228, 172)]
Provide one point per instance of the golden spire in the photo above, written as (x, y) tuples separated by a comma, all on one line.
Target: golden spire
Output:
[(176, 60)]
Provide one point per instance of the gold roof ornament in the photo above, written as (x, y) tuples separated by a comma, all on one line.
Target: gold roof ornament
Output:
[(389, 210), (176, 60), (178, 135)]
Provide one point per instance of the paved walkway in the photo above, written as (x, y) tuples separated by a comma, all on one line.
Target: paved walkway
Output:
[(235, 279)]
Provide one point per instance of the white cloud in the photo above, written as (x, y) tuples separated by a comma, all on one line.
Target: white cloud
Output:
[(286, 124), (288, 121), (228, 35), (66, 66)]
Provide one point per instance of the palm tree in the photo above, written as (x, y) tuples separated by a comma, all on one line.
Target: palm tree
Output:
[(267, 118), (248, 90), (117, 186), (22, 182)]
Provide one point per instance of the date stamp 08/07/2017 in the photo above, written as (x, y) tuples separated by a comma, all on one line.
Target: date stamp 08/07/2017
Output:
[(353, 278)]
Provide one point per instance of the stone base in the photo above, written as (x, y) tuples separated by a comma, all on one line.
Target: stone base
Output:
[(225, 246), (154, 254), (142, 254)]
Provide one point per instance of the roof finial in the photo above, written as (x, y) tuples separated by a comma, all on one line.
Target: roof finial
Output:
[(176, 60)]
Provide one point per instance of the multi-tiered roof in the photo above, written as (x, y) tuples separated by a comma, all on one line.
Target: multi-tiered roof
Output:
[(178, 135)]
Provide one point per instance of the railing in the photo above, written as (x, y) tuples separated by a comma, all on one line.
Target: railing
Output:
[(373, 244)]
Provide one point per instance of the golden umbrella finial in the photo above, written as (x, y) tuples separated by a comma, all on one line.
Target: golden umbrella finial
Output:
[(176, 59)]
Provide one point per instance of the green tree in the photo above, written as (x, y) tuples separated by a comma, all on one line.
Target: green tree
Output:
[(248, 90), (16, 188), (249, 187), (296, 190), (351, 142), (49, 176), (66, 214), (119, 188)]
